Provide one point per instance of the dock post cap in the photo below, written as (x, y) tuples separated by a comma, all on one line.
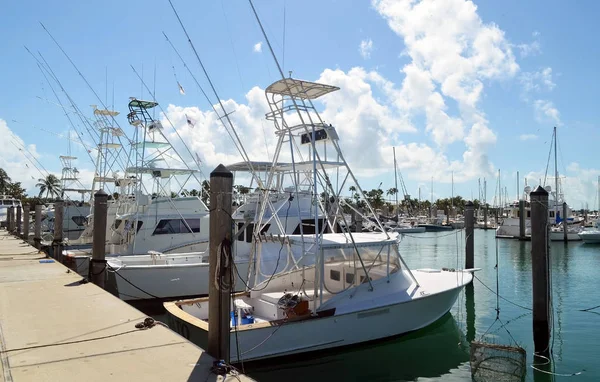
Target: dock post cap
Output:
[(539, 190), (221, 172), (101, 193), (469, 204)]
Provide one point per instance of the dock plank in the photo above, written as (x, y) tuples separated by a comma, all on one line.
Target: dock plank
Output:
[(54, 328)]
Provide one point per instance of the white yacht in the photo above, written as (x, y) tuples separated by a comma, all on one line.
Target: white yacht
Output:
[(591, 235), (318, 289), (6, 202)]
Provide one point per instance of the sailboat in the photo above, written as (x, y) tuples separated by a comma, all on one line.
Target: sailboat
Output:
[(401, 227), (323, 287)]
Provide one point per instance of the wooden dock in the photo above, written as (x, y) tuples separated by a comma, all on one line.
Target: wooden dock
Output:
[(54, 328)]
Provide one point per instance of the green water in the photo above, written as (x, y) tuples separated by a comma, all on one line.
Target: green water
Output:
[(441, 351)]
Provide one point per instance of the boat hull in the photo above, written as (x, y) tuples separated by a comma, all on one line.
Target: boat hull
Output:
[(436, 228), (590, 237), (409, 230), (294, 337), (560, 236), (143, 282)]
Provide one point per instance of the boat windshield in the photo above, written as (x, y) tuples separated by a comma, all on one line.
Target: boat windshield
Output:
[(345, 265)]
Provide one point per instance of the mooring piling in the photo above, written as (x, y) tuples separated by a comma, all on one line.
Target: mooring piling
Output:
[(97, 268), (522, 221), (565, 224), (9, 219), (19, 221), (37, 228), (540, 270), (57, 241), (25, 235), (220, 263), (469, 230)]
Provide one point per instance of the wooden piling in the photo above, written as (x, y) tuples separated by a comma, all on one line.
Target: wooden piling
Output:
[(469, 230), (9, 219), (97, 268), (540, 270), (57, 237), (485, 217), (26, 223), (522, 220), (37, 228), (565, 223), (19, 221), (219, 290)]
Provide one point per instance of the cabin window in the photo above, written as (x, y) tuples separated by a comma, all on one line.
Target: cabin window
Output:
[(240, 236), (528, 214), (175, 226), (250, 231), (308, 227), (139, 226), (79, 220), (363, 278), (335, 275), (7, 202), (349, 278), (551, 214), (117, 223)]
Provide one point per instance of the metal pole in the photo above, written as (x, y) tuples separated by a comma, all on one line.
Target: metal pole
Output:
[(37, 230), (19, 220), (521, 220), (26, 223), (565, 223), (485, 217), (469, 230), (540, 270), (98, 261), (219, 289), (57, 242)]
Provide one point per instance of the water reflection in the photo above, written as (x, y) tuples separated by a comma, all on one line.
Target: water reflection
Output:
[(438, 350), (470, 307)]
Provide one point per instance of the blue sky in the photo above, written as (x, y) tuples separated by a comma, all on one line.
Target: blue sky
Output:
[(527, 67)]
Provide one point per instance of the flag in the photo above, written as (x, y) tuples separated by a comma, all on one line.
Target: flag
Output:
[(190, 121), (181, 91)]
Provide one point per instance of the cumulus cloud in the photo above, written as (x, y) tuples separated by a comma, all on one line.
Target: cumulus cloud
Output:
[(365, 48), (528, 137), (530, 49), (257, 47), (546, 112), (453, 53), (14, 159), (537, 81), (578, 185)]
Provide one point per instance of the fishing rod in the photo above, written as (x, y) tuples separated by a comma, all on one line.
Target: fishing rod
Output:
[(212, 105), (240, 148), (112, 117)]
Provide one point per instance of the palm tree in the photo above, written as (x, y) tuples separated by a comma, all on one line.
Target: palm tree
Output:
[(4, 181), (51, 185)]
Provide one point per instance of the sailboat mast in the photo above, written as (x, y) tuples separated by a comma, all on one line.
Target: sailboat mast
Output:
[(556, 179), (396, 183)]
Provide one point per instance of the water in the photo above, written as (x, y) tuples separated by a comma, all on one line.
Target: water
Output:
[(441, 351)]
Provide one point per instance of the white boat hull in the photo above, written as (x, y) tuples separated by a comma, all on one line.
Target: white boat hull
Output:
[(409, 230), (560, 236), (590, 237), (184, 277), (327, 332)]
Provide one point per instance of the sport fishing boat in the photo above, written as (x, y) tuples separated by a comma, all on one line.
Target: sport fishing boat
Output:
[(6, 202), (324, 286)]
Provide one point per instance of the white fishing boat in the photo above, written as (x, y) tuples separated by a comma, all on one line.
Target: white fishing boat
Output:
[(146, 217), (322, 287)]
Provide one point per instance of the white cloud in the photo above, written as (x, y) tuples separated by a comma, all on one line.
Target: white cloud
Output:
[(531, 49), (257, 47), (537, 81), (452, 53), (528, 137), (579, 185), (365, 48), (545, 112), (14, 158)]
